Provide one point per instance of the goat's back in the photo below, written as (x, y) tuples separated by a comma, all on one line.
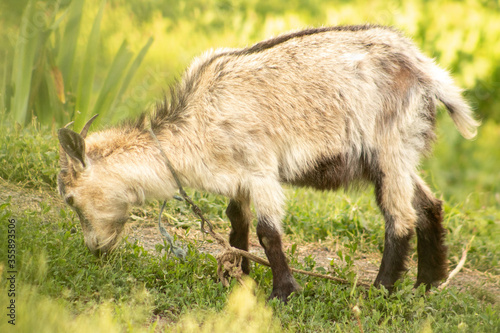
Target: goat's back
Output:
[(287, 102)]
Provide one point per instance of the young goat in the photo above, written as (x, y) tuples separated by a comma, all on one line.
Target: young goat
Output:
[(323, 108)]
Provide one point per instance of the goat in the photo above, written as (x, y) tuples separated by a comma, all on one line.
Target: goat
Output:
[(325, 108)]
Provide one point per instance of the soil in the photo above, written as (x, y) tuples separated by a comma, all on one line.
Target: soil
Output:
[(145, 231)]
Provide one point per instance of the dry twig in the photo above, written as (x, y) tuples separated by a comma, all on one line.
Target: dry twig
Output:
[(459, 266)]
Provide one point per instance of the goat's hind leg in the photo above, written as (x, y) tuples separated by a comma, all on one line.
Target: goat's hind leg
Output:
[(432, 263), (394, 197)]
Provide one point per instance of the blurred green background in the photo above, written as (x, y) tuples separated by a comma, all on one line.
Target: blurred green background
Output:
[(67, 60)]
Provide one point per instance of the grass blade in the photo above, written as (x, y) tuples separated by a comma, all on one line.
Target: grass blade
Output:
[(133, 68), (59, 83), (86, 79), (5, 91), (22, 68), (109, 90), (69, 41)]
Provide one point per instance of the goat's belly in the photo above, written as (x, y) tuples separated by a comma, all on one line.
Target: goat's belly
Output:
[(334, 172)]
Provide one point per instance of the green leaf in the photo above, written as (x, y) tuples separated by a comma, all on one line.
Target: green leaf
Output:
[(24, 55), (66, 57), (109, 90), (5, 91), (133, 68), (86, 79)]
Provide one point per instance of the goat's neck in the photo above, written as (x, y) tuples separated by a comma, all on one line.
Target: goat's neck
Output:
[(140, 166)]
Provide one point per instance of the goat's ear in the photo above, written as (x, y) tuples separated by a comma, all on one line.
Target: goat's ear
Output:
[(73, 144)]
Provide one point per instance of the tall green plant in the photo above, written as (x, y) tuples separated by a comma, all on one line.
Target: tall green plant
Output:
[(45, 71), (87, 71), (5, 88), (24, 56), (66, 55), (117, 79)]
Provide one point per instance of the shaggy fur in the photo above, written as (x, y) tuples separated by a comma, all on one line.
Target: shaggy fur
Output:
[(325, 108)]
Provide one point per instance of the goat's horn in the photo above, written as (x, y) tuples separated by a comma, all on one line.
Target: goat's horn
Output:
[(85, 129)]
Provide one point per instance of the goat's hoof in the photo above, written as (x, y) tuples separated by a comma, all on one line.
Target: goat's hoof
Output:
[(388, 286), (428, 285), (284, 291)]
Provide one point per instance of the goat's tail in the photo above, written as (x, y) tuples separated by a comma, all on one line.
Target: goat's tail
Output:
[(458, 109)]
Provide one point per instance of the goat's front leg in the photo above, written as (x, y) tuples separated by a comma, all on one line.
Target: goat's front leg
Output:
[(267, 196), (283, 282)]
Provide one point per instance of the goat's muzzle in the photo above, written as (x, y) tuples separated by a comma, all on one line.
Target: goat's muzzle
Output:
[(100, 249)]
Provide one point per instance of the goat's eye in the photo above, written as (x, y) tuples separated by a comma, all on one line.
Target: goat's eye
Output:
[(70, 200)]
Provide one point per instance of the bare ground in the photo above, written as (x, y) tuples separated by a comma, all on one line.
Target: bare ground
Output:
[(144, 230)]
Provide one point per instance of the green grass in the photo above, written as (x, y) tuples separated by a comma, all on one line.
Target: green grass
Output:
[(135, 287), (28, 155)]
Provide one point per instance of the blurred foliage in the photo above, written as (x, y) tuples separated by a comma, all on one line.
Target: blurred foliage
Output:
[(45, 83), (458, 167), (464, 36), (466, 40)]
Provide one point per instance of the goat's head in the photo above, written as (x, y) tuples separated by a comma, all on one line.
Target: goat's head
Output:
[(87, 187)]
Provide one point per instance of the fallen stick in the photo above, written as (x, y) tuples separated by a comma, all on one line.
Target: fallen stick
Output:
[(459, 266)]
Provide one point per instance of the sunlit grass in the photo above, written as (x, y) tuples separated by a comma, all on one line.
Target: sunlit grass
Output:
[(62, 287)]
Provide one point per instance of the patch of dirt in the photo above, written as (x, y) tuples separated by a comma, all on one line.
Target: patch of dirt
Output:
[(323, 254), (145, 232)]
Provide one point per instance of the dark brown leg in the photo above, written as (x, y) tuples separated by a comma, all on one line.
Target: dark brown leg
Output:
[(283, 282), (240, 215), (432, 263), (396, 245), (393, 263)]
